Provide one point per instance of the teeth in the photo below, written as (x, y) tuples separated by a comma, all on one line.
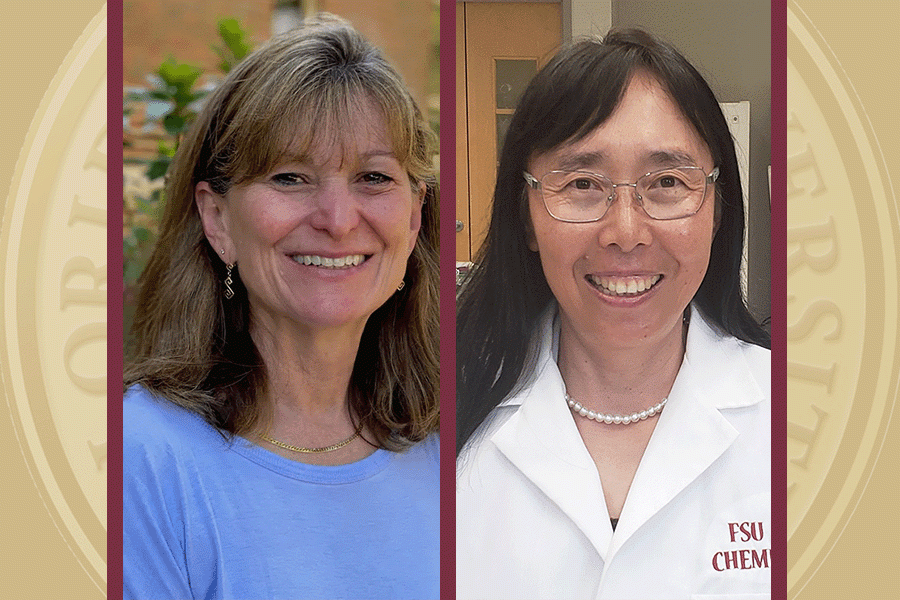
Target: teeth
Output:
[(624, 286), (330, 263)]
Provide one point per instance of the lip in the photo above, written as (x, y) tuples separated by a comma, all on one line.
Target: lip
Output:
[(624, 289)]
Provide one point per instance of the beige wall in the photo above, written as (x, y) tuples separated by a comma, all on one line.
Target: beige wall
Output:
[(586, 17)]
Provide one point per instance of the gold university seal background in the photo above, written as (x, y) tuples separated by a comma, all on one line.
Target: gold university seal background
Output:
[(53, 300), (843, 242), (844, 159)]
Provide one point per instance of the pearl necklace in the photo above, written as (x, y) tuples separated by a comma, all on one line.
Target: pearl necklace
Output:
[(615, 419)]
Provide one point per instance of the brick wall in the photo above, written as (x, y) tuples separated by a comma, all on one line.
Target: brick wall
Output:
[(155, 29), (186, 29)]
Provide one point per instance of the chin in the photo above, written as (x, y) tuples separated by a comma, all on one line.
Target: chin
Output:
[(635, 329), (334, 318)]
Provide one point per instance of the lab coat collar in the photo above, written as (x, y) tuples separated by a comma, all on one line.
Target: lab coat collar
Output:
[(542, 441)]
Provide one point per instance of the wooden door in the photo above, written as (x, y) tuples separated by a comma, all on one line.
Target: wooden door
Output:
[(499, 48)]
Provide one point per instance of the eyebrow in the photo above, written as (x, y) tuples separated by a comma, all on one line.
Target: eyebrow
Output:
[(578, 161), (305, 159), (672, 158)]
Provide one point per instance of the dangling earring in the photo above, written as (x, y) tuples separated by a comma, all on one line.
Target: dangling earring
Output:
[(401, 286), (229, 293)]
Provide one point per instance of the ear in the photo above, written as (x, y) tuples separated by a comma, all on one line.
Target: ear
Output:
[(415, 219), (213, 211)]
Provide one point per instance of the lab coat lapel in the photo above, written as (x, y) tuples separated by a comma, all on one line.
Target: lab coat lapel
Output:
[(542, 441), (692, 432)]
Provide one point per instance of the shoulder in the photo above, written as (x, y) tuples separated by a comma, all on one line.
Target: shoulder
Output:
[(155, 429), (430, 448), (750, 359), (478, 446), (167, 466), (424, 456), (145, 414), (759, 360), (538, 385), (724, 354)]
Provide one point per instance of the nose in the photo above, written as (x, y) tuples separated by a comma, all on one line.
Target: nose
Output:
[(625, 223), (336, 210)]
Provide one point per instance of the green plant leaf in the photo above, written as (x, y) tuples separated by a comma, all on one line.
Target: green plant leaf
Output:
[(142, 233), (163, 148), (236, 44), (157, 168), (158, 95), (235, 38), (132, 271), (181, 76), (144, 205), (174, 124)]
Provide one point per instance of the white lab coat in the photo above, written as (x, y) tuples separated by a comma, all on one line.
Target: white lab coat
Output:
[(531, 518)]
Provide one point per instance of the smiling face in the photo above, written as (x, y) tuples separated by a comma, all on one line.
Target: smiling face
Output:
[(322, 240), (626, 279)]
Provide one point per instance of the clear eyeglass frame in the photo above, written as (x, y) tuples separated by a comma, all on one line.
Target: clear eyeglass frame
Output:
[(535, 183)]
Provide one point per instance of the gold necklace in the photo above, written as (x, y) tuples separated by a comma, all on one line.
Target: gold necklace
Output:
[(330, 448)]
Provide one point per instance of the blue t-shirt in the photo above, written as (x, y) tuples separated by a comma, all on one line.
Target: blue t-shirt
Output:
[(206, 517)]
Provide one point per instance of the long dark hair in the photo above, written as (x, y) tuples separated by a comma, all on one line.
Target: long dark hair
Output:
[(502, 300)]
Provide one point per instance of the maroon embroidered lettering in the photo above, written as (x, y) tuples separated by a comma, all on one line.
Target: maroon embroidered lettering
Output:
[(746, 531), (748, 558), (743, 558)]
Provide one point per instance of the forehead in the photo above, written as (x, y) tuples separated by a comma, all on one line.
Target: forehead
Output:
[(347, 136), (646, 130)]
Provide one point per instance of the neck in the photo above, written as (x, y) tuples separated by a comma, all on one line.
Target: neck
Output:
[(306, 403), (308, 380), (617, 378)]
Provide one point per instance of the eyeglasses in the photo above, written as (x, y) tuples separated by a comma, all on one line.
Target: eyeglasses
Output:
[(584, 197)]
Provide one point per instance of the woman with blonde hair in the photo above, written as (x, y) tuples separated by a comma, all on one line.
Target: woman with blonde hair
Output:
[(281, 415)]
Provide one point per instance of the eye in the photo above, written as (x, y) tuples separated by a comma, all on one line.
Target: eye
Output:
[(289, 178), (668, 181), (574, 184), (376, 178), (582, 184)]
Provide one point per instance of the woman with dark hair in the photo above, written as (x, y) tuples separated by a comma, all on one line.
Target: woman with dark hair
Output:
[(613, 390), (280, 426)]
